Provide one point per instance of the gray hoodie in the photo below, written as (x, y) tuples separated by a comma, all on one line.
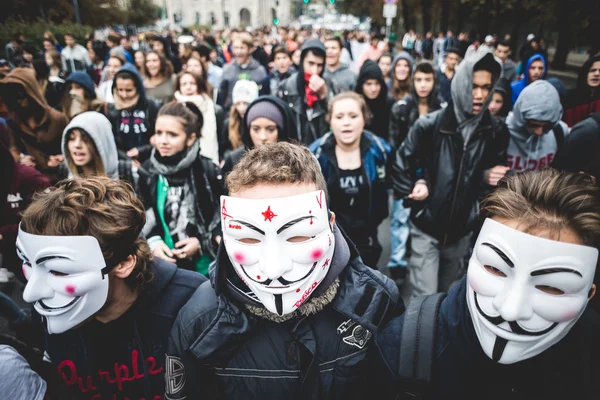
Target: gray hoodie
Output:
[(234, 72), (343, 76), (527, 151), (98, 127)]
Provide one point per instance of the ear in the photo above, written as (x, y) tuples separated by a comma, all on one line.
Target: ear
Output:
[(332, 220), (125, 267), (191, 139), (592, 292)]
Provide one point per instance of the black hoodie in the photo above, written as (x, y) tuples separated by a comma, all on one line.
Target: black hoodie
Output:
[(380, 107), (503, 87), (581, 102), (125, 358)]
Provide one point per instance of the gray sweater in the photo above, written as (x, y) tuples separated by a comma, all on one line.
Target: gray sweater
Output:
[(343, 76)]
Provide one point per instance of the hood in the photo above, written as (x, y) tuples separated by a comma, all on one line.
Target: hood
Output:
[(503, 86), (139, 84), (403, 55), (83, 80), (583, 73), (99, 128), (533, 58), (435, 93), (25, 77), (313, 44), (370, 70), (289, 131), (462, 85), (538, 101)]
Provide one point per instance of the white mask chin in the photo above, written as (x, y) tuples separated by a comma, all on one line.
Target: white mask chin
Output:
[(66, 281), (515, 313), (280, 248)]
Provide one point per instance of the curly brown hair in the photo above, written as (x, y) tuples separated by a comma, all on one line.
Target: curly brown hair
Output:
[(107, 209)]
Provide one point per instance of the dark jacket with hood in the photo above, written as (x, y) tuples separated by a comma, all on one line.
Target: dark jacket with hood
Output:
[(310, 123), (43, 140), (270, 85), (504, 88), (451, 149), (227, 346), (133, 127), (287, 133), (582, 101), (406, 111), (461, 370), (125, 358), (380, 107), (374, 154), (518, 86)]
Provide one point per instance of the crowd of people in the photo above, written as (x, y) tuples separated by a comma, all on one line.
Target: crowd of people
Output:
[(198, 215)]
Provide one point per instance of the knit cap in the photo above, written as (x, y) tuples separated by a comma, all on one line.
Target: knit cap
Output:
[(266, 109)]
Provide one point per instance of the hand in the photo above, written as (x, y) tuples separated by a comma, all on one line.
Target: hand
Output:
[(162, 251), (318, 85), (133, 153), (2, 237), (55, 161), (493, 175), (187, 248), (420, 192), (217, 239), (27, 160), (136, 163)]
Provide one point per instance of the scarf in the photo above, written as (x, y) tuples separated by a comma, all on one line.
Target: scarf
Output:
[(121, 104), (169, 166), (311, 96)]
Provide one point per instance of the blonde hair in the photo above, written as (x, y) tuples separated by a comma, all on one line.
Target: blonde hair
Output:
[(548, 199), (276, 163), (243, 37), (235, 128)]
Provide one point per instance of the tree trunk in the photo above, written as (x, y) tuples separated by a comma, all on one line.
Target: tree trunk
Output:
[(426, 9), (445, 14), (564, 35), (516, 29), (405, 16), (483, 20), (460, 16)]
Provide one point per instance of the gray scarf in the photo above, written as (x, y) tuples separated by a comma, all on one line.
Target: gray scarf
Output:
[(192, 153)]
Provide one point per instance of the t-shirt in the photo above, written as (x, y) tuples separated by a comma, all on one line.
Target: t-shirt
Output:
[(350, 202)]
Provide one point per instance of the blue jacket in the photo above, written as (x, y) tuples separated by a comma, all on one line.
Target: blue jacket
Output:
[(518, 86), (375, 152)]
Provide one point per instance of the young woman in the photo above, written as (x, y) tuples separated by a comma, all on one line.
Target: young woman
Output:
[(89, 147), (196, 66), (191, 87), (54, 87), (385, 64), (139, 60), (353, 162), (50, 36), (97, 53), (182, 189), (244, 92), (159, 79), (371, 86), (114, 63), (500, 104), (79, 95), (401, 74)]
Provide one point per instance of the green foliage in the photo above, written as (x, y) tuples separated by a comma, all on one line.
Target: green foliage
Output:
[(34, 32), (200, 27), (142, 12)]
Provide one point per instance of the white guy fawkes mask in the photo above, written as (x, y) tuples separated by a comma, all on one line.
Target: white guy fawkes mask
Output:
[(66, 278), (280, 248), (525, 292)]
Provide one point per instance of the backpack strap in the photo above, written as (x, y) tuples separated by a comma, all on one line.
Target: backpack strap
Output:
[(559, 134), (417, 349)]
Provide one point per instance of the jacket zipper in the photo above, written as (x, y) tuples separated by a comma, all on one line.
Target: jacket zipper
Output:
[(459, 178)]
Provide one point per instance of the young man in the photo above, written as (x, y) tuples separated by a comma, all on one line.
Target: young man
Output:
[(283, 70), (584, 100), (535, 69), (14, 49), (291, 310), (75, 57), (243, 67), (373, 51), (113, 42), (536, 131), (106, 305), (519, 325), (509, 69), (447, 161), (214, 72), (446, 73), (340, 73), (307, 92)]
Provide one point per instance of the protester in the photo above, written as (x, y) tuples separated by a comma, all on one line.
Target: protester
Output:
[(500, 105), (307, 92), (14, 49), (113, 42), (385, 65), (438, 49), (518, 314), (114, 64), (75, 57), (401, 75), (339, 73), (428, 46), (288, 281), (447, 161), (116, 302), (408, 42), (371, 86), (353, 162), (53, 89), (214, 72), (446, 73), (535, 69), (509, 69), (282, 70), (373, 51), (190, 87), (159, 79), (244, 93), (584, 100), (79, 95), (96, 69)]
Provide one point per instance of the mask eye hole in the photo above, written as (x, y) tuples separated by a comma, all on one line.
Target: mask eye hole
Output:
[(57, 273), (494, 271), (550, 290), (249, 241), (299, 239)]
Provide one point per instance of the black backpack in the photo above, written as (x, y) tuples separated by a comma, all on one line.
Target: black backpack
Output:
[(417, 351)]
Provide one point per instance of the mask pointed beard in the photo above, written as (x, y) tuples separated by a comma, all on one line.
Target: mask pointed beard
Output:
[(77, 104)]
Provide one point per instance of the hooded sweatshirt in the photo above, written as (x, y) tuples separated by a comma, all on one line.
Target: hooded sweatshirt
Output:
[(234, 72), (98, 128), (343, 76), (503, 87), (380, 106), (528, 151), (582, 101), (43, 140), (518, 86), (403, 55)]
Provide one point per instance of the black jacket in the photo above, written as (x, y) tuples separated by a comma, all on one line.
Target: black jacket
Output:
[(125, 357), (435, 151), (380, 107), (461, 370), (222, 351), (207, 184)]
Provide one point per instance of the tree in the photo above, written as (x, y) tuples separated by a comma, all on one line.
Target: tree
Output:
[(142, 12)]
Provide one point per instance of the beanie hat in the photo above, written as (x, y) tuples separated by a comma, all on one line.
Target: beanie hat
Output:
[(84, 80), (244, 91), (268, 110)]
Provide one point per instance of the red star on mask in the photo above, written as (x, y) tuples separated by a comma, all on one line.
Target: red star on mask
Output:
[(269, 214)]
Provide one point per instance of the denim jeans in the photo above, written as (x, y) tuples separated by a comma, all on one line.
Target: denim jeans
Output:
[(399, 232), (9, 309)]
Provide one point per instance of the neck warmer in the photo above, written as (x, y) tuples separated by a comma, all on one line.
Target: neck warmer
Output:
[(121, 104), (311, 96), (172, 165)]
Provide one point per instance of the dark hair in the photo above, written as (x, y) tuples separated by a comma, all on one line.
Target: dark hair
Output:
[(280, 50), (424, 67), (454, 50), (203, 51), (42, 70), (210, 40), (335, 39), (315, 52), (69, 34), (189, 114), (49, 40), (124, 74), (199, 79), (388, 55), (114, 38)]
